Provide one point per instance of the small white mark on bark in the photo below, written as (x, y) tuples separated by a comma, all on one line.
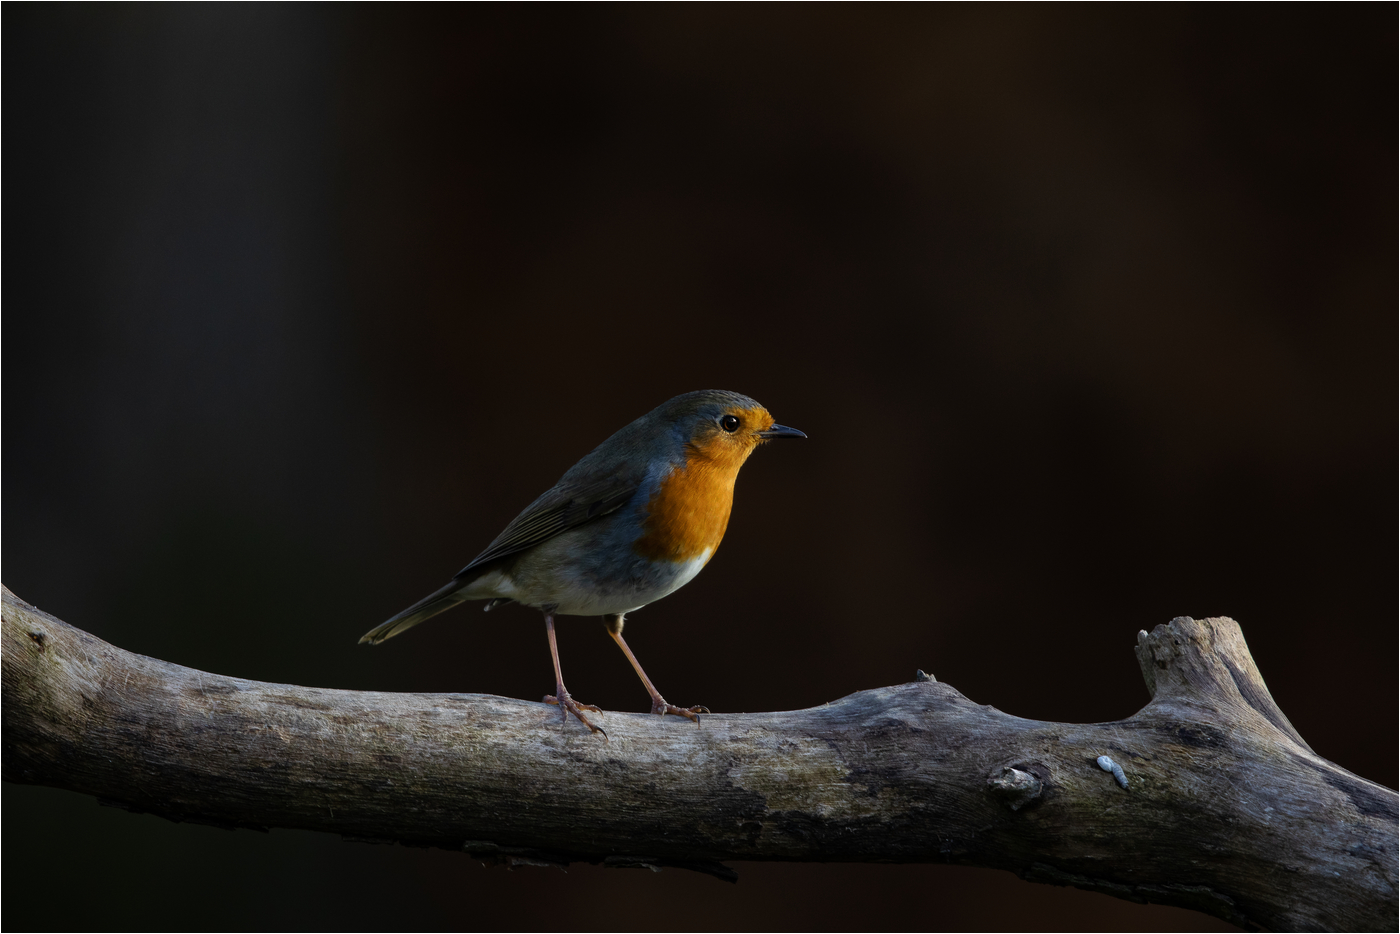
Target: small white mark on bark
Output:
[(1108, 765)]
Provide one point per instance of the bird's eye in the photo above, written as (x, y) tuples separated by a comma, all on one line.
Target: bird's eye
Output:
[(729, 423)]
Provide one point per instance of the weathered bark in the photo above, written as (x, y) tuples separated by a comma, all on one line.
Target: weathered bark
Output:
[(1227, 809)]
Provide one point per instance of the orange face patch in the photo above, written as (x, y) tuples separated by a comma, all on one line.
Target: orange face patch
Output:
[(689, 511)]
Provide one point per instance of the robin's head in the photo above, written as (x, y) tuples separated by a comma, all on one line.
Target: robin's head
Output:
[(723, 427)]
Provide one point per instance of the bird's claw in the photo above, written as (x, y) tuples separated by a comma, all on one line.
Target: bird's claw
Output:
[(659, 706), (572, 704), (568, 706)]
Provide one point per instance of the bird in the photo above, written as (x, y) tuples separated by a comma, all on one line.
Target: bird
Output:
[(630, 523)]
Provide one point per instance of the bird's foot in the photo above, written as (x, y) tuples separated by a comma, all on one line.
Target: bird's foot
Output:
[(659, 706), (567, 705)]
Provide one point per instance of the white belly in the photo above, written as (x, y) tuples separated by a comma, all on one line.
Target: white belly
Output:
[(545, 576)]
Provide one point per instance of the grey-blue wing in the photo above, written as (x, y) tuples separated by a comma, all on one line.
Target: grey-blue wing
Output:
[(566, 506)]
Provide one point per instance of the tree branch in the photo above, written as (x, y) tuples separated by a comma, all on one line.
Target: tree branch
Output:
[(1226, 810)]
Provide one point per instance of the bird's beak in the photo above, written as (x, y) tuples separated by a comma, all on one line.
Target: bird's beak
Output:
[(780, 431)]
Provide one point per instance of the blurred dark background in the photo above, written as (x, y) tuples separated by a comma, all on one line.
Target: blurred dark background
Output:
[(1090, 313)]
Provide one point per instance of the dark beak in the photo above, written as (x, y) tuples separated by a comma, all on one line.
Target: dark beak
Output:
[(780, 431)]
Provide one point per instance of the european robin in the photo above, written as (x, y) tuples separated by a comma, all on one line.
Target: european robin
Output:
[(630, 523)]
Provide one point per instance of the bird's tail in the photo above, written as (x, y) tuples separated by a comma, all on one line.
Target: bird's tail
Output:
[(431, 605)]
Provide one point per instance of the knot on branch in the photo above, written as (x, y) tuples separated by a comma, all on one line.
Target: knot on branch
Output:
[(1015, 787)]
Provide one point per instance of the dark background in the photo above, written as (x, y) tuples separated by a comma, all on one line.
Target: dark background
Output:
[(1089, 313)]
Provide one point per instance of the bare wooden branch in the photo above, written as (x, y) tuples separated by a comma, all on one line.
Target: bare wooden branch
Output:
[(1226, 809)]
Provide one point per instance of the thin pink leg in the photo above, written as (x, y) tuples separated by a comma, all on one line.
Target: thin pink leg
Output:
[(567, 704), (658, 703)]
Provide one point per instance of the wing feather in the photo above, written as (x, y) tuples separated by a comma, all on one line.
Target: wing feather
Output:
[(569, 504)]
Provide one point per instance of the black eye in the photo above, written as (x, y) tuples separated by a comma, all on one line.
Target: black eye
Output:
[(729, 423)]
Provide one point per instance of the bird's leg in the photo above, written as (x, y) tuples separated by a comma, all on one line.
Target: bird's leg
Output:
[(658, 703), (561, 697)]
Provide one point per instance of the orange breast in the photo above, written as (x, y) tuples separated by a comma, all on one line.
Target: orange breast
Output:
[(689, 511)]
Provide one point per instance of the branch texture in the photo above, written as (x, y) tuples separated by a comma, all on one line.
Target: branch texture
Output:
[(1226, 810)]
